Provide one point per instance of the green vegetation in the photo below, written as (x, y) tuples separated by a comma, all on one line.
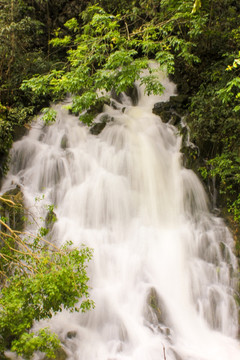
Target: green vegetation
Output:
[(37, 280), (51, 48)]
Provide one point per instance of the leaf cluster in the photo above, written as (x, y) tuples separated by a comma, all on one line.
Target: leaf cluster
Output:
[(225, 169), (102, 55), (37, 281)]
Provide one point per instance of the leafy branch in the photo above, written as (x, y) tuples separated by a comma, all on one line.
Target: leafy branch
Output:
[(38, 279)]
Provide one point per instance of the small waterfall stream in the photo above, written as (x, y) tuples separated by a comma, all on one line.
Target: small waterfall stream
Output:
[(163, 270)]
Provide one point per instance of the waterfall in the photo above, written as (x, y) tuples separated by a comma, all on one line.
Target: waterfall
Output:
[(163, 270)]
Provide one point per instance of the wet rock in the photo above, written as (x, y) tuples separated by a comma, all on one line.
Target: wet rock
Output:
[(114, 105), (160, 107), (12, 209), (175, 119), (98, 107), (64, 142), (131, 92), (191, 158), (98, 127), (167, 112), (71, 334), (172, 110), (166, 116), (157, 312)]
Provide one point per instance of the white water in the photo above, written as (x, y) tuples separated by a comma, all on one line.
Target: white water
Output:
[(162, 276)]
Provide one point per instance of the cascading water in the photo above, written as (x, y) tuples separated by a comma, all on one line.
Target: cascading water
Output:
[(163, 269)]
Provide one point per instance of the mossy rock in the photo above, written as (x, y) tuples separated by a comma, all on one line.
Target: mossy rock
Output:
[(12, 209), (98, 127), (168, 111), (158, 307)]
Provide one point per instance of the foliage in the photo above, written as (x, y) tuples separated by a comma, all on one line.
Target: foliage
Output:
[(11, 120), (225, 168), (214, 125), (102, 47), (231, 91), (49, 115), (99, 58), (38, 280), (17, 36), (103, 56)]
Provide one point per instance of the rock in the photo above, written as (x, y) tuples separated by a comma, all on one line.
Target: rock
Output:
[(159, 107), (175, 119), (98, 107), (165, 116), (163, 109), (64, 142), (131, 92), (157, 309), (172, 110), (98, 127), (71, 334), (191, 158), (13, 213), (167, 112)]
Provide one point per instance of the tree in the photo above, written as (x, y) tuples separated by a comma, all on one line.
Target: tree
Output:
[(103, 54), (38, 280)]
